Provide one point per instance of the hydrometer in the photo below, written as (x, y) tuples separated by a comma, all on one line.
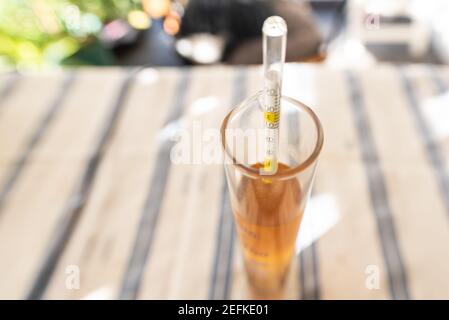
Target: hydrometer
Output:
[(274, 45)]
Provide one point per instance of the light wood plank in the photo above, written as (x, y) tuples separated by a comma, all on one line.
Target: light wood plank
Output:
[(21, 112), (33, 208), (421, 219), (351, 243), (181, 259), (101, 245)]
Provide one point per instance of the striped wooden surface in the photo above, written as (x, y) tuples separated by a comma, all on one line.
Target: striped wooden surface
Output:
[(86, 181)]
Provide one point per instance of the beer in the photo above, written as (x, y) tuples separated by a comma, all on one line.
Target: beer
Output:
[(268, 214)]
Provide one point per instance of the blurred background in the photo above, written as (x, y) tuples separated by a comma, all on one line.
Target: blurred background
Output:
[(41, 33), (91, 205)]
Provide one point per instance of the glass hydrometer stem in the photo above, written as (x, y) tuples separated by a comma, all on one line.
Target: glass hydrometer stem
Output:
[(274, 45)]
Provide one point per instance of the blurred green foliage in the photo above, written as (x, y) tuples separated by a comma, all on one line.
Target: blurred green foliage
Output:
[(36, 33)]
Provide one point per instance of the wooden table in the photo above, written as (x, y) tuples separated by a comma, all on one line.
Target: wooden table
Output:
[(87, 187)]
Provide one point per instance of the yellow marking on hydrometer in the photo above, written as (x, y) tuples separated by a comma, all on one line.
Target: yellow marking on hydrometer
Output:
[(268, 166), (271, 117)]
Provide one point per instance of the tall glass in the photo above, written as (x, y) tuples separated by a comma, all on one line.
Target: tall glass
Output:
[(268, 208)]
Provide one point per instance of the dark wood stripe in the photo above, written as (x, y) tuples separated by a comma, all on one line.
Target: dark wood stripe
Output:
[(378, 193), (315, 294), (151, 209), (309, 276), (9, 86), (224, 249), (308, 259), (439, 83), (45, 122), (430, 144), (77, 200), (309, 281), (219, 288), (302, 275), (230, 230)]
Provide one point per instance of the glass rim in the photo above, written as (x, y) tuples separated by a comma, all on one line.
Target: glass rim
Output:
[(255, 173)]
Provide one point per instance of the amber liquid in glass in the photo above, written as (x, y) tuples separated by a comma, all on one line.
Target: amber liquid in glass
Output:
[(268, 215)]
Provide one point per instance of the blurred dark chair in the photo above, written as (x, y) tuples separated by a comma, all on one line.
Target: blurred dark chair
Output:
[(239, 24), (303, 40)]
